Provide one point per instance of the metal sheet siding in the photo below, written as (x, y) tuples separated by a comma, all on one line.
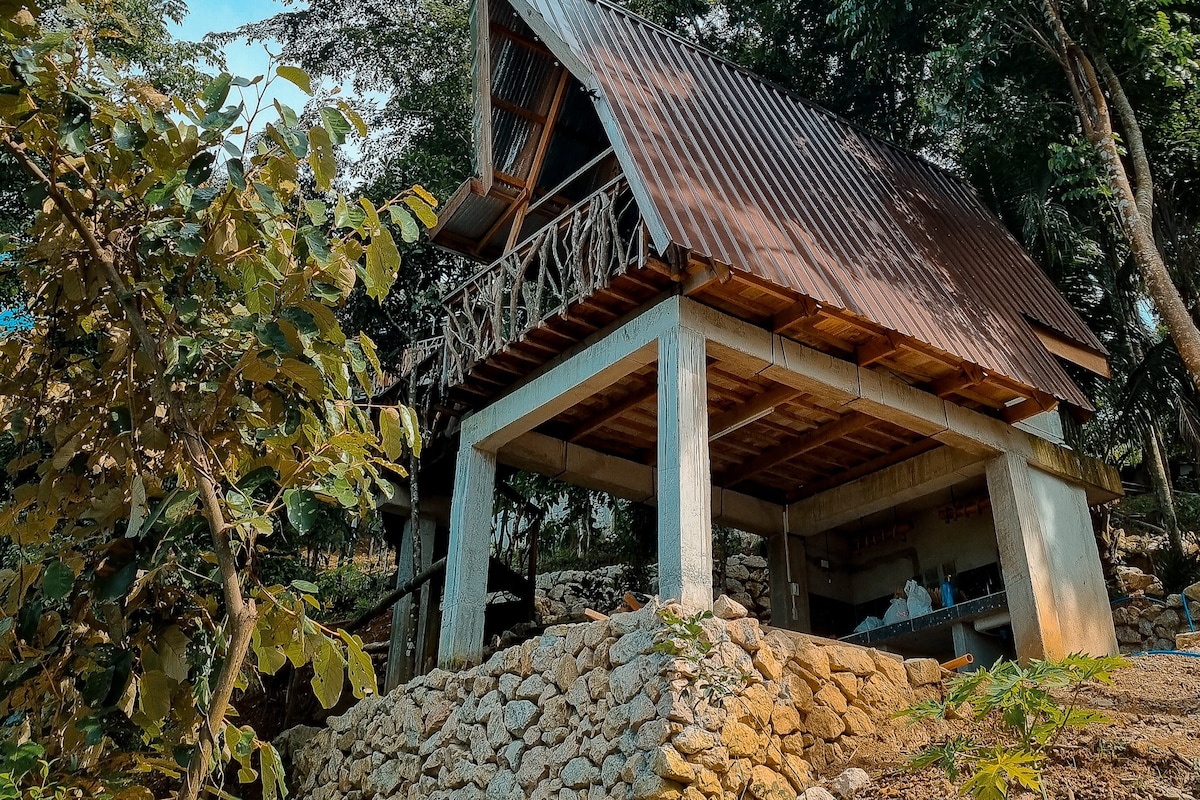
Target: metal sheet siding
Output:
[(757, 179)]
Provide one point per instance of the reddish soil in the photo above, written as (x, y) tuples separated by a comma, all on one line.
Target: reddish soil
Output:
[(1150, 748)]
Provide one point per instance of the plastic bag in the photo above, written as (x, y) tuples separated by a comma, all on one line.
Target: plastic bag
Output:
[(869, 624), (897, 612), (919, 601)]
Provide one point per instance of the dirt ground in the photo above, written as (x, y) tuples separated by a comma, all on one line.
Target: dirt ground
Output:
[(1150, 749)]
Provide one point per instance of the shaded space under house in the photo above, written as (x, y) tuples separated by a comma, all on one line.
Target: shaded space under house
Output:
[(701, 292)]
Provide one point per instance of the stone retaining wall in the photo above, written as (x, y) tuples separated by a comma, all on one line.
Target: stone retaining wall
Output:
[(593, 710), (564, 595), (1143, 624)]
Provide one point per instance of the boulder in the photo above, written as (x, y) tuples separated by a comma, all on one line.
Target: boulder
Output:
[(851, 783), (726, 608)]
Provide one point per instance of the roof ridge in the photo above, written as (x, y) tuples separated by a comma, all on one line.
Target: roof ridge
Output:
[(789, 93)]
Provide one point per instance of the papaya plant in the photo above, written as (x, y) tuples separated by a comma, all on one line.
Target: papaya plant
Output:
[(185, 394), (1033, 706)]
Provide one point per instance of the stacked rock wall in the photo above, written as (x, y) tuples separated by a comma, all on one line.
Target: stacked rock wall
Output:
[(596, 710), (1145, 624), (565, 594)]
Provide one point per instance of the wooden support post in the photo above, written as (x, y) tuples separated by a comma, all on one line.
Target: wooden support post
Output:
[(401, 664), (786, 556), (461, 643), (684, 476), (1056, 593)]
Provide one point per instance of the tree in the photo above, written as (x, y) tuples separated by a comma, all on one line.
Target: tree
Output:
[(185, 395), (1096, 49)]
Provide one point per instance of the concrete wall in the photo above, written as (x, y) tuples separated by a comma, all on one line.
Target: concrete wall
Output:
[(1077, 579)]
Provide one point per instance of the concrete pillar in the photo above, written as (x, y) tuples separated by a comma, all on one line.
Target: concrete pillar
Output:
[(985, 649), (1051, 567), (461, 643), (684, 476), (788, 562), (400, 665), (1047, 425)]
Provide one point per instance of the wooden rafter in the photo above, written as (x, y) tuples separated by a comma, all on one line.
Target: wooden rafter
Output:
[(539, 154), (878, 349), (609, 413), (818, 437), (803, 310), (752, 410), (967, 378), (866, 468), (528, 42)]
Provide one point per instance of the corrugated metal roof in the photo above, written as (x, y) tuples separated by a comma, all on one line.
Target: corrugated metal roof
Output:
[(740, 171)]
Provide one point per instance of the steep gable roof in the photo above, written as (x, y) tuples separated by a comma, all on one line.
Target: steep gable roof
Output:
[(734, 169)]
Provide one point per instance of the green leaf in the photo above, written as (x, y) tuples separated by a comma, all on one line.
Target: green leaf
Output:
[(328, 674), (58, 580), (200, 170), (403, 219), (422, 209), (391, 433), (267, 195), (321, 158), (296, 76), (318, 245), (75, 126), (318, 212), (271, 767), (335, 124), (302, 509), (383, 262), (237, 174), (348, 216), (154, 695), (359, 669), (216, 91), (412, 429), (306, 586), (128, 136)]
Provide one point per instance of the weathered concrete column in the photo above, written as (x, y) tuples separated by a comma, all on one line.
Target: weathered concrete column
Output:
[(401, 664), (1051, 567), (788, 563), (684, 476), (461, 642)]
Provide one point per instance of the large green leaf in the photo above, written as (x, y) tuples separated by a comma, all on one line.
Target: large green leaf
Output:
[(328, 673), (302, 509), (296, 76), (58, 580), (321, 157)]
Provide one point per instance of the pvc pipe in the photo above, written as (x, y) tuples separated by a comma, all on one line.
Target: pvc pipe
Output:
[(1187, 613), (961, 661), (1167, 653)]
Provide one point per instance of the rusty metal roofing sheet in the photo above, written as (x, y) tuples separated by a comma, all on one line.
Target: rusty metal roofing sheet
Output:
[(740, 171)]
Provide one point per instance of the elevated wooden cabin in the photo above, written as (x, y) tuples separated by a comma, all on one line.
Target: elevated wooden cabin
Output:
[(700, 291)]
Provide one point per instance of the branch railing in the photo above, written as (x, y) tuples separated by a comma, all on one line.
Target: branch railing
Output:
[(575, 255)]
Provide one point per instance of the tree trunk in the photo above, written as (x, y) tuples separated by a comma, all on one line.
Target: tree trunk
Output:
[(1156, 464), (1134, 207)]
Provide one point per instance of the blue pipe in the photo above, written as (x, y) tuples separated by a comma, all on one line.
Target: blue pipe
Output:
[(1167, 653), (1188, 614)]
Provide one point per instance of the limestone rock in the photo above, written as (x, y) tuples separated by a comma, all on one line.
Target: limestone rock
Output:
[(1193, 592), (519, 715), (830, 697), (825, 723), (785, 719), (655, 787), (846, 658), (579, 773), (767, 784), (725, 608), (815, 660), (667, 763), (815, 793), (692, 739), (851, 783), (923, 671), (741, 739), (1187, 641)]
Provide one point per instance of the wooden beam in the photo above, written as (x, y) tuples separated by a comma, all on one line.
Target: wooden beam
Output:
[(803, 310), (539, 154), (1036, 404), (520, 111), (969, 376), (902, 482), (527, 42), (611, 412), (867, 468), (1072, 351), (750, 411), (815, 438), (557, 190), (885, 346)]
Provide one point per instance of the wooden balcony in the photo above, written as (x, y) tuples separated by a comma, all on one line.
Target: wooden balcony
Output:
[(567, 280)]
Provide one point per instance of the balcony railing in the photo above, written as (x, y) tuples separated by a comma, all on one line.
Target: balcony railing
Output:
[(571, 258)]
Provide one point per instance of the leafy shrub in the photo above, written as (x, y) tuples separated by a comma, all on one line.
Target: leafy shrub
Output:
[(25, 775), (1024, 700), (1176, 570)]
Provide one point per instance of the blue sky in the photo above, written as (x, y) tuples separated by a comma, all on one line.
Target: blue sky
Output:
[(207, 16)]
